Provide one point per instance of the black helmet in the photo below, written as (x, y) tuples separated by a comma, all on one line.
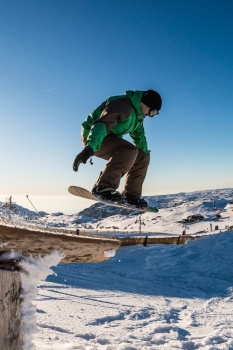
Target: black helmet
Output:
[(152, 99)]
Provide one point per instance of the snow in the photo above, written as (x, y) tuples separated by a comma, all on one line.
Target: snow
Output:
[(154, 297), (109, 253)]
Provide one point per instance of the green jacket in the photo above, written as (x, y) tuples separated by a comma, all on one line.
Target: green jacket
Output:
[(119, 115)]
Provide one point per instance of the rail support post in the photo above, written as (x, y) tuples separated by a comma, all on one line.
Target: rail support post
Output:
[(10, 309)]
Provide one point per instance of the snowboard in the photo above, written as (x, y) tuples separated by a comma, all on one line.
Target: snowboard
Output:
[(83, 193), (75, 248)]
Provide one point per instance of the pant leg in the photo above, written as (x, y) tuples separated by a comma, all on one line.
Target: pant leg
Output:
[(123, 158), (136, 175), (120, 155)]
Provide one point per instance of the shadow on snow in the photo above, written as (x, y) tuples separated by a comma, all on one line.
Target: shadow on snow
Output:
[(201, 269)]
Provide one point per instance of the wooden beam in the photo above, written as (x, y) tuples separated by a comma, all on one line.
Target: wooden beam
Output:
[(10, 313), (76, 248)]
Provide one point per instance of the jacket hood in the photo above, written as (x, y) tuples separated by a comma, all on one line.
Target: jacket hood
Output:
[(135, 98)]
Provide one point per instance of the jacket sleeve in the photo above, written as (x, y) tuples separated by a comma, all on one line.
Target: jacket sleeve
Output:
[(88, 122), (139, 138)]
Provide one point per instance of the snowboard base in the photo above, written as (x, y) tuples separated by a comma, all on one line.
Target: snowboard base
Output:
[(83, 193)]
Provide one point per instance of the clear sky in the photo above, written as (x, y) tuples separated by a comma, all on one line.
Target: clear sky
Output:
[(60, 59)]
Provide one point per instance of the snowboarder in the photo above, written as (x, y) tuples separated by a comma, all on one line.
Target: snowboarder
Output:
[(102, 133)]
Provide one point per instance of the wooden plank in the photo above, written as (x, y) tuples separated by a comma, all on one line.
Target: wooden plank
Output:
[(10, 313), (76, 248), (147, 240)]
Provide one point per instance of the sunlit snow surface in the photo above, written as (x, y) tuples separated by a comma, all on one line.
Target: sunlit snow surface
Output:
[(155, 297)]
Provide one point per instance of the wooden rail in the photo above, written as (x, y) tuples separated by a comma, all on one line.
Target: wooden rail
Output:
[(75, 248)]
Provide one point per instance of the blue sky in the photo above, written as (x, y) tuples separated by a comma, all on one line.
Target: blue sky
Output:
[(61, 58)]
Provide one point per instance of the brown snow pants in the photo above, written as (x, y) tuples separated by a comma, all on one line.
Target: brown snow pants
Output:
[(123, 158)]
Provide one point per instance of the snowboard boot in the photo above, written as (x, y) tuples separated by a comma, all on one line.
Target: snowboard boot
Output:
[(135, 202), (106, 193)]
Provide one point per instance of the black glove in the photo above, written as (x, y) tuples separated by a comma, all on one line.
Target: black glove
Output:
[(82, 157)]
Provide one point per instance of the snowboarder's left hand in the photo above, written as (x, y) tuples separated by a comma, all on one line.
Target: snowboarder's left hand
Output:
[(82, 157)]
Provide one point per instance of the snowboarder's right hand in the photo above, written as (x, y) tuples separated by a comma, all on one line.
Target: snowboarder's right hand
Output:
[(82, 157)]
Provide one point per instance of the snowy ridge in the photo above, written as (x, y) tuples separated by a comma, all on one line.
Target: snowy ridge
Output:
[(174, 209)]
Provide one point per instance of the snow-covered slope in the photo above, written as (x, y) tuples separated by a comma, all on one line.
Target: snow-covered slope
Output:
[(159, 297), (154, 298)]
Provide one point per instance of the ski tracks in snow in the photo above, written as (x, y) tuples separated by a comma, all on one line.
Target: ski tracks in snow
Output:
[(101, 320), (154, 298)]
